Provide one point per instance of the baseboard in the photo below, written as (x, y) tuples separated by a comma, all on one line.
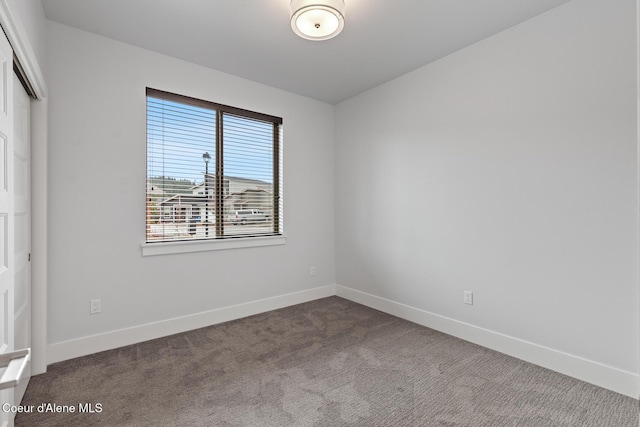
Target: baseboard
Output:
[(65, 350), (608, 377), (604, 376)]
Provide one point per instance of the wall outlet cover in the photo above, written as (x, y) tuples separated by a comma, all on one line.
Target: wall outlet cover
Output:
[(468, 297)]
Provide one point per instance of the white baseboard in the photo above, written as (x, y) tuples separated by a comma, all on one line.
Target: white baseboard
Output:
[(608, 377), (65, 350), (604, 376)]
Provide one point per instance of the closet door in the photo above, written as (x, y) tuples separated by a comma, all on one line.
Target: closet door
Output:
[(22, 225), (7, 268)]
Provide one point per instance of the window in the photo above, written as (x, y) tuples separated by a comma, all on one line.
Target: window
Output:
[(213, 171)]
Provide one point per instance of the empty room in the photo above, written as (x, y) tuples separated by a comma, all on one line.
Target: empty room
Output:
[(319, 213)]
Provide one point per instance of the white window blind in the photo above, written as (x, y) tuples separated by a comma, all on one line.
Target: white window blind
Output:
[(213, 171)]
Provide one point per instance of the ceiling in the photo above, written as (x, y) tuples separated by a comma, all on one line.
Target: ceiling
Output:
[(382, 39)]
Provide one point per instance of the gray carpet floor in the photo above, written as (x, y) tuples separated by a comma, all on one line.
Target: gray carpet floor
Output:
[(329, 362)]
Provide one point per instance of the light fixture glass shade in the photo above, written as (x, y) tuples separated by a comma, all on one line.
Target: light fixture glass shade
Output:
[(317, 19)]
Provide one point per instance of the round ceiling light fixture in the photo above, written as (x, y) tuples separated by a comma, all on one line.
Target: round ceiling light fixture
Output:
[(317, 19)]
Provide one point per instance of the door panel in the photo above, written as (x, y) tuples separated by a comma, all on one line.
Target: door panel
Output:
[(22, 226), (7, 270)]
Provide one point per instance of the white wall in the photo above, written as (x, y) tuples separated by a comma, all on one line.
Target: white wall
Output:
[(97, 186), (509, 169)]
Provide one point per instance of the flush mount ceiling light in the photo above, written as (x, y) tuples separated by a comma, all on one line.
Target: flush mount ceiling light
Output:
[(317, 19)]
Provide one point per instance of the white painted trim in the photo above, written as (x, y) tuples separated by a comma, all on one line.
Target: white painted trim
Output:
[(39, 233), (638, 133), (17, 35), (608, 377), (95, 343), (181, 247)]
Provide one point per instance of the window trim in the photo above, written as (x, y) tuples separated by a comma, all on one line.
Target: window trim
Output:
[(203, 245), (276, 237), (184, 99)]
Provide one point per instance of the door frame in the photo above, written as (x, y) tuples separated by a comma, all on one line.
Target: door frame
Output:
[(23, 51)]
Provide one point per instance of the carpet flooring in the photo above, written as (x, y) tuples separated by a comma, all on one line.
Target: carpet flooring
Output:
[(329, 362)]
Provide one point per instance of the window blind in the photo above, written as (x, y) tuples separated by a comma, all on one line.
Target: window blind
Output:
[(213, 171)]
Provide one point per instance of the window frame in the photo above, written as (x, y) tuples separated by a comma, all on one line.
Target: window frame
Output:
[(219, 240)]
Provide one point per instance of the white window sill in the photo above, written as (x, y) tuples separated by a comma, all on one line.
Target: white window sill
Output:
[(166, 248)]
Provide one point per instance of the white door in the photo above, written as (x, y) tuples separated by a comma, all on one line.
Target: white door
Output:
[(7, 269), (22, 226)]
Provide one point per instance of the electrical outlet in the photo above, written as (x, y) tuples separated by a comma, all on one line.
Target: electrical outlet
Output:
[(95, 307), (468, 297), (312, 270)]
